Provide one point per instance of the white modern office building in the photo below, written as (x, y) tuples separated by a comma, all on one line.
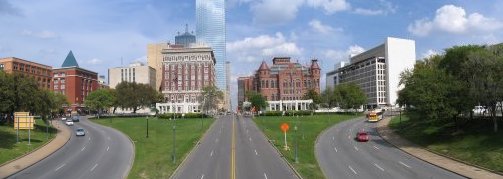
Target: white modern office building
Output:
[(377, 71)]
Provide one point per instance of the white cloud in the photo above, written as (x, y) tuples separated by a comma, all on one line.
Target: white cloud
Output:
[(252, 49), (386, 7), (94, 61), (453, 19), (429, 53), (343, 55), (275, 11), (317, 26), (42, 34), (330, 6)]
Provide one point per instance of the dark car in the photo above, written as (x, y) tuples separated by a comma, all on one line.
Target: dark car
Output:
[(362, 136), (75, 118)]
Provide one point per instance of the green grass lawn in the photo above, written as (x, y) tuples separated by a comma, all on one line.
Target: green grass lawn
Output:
[(153, 154), (10, 149), (476, 143), (308, 128)]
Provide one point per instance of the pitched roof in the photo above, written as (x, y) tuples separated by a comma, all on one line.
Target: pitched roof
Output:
[(263, 66), (70, 61), (314, 64)]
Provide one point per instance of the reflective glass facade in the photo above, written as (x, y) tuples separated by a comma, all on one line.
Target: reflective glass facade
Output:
[(210, 30)]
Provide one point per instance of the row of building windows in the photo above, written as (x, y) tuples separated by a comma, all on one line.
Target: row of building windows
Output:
[(31, 69)]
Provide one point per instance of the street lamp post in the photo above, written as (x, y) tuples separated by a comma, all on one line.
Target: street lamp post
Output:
[(400, 110), (296, 145), (174, 141), (147, 126)]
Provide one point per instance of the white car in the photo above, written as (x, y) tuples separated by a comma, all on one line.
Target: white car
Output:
[(479, 110), (80, 132), (63, 118), (69, 122)]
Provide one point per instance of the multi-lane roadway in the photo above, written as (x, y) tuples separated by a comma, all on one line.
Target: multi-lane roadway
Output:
[(234, 148), (341, 156), (102, 153)]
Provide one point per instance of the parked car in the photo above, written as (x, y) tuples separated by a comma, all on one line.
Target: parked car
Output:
[(362, 136), (69, 122), (75, 118), (80, 132), (63, 118)]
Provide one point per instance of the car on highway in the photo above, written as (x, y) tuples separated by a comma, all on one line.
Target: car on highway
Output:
[(80, 132), (69, 122), (362, 136), (75, 118)]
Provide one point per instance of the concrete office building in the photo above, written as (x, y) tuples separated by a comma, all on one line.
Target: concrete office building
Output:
[(41, 73), (185, 71), (332, 77), (135, 72), (377, 71), (74, 82), (210, 30)]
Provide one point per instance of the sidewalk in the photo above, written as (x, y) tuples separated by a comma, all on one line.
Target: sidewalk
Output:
[(29, 159), (440, 161)]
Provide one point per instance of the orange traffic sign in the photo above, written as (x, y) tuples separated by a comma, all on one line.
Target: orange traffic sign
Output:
[(284, 127)]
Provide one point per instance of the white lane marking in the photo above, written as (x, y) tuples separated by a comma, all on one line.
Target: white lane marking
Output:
[(211, 154), (108, 148), (249, 139), (89, 138), (256, 152), (335, 148), (95, 165), (108, 138), (356, 148), (349, 137), (265, 176), (202, 176), (353, 170), (83, 148), (377, 148), (216, 140), (247, 131), (60, 167), (375, 164), (333, 138), (404, 164)]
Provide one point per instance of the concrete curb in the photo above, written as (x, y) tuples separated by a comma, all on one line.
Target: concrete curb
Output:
[(467, 174), (192, 150), (60, 132), (279, 153), (132, 142)]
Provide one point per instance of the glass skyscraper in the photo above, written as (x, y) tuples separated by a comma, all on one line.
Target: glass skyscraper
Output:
[(210, 30)]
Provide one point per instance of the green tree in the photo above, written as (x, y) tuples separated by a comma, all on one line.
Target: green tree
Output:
[(99, 100), (315, 96), (349, 96), (328, 97), (135, 96), (211, 96), (257, 100)]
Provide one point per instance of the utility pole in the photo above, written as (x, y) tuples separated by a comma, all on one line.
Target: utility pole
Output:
[(296, 145)]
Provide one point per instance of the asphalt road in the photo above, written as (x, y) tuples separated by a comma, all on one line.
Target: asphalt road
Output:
[(234, 148), (102, 153), (341, 156)]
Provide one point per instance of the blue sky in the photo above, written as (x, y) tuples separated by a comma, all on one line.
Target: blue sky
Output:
[(100, 33)]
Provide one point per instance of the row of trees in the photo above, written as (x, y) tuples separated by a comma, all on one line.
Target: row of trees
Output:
[(448, 86), (21, 93), (345, 96), (135, 96)]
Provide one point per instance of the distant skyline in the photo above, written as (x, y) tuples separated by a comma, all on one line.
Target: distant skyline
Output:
[(100, 33)]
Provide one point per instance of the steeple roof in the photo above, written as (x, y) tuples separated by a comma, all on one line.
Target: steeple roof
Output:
[(314, 64), (70, 61), (263, 66)]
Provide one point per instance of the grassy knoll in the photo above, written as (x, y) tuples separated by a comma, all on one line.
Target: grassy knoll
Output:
[(475, 142), (309, 127), (153, 154), (10, 149)]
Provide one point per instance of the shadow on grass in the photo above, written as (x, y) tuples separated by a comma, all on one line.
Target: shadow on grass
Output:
[(8, 139)]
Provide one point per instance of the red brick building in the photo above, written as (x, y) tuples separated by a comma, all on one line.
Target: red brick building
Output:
[(74, 82), (283, 81), (41, 73)]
